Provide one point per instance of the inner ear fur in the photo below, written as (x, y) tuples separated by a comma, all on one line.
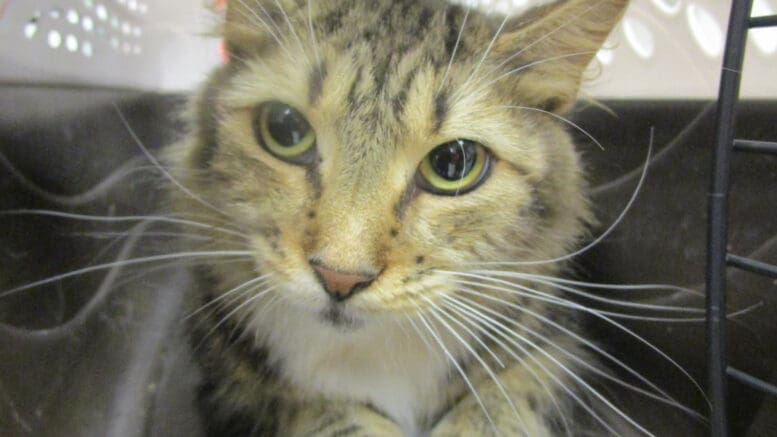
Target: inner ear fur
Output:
[(555, 43), (249, 25)]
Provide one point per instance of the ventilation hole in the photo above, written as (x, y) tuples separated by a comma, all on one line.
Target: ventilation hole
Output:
[(640, 38), (72, 16), (606, 56), (87, 23), (705, 30), (670, 7), (54, 39), (102, 12), (31, 28), (71, 43), (86, 49)]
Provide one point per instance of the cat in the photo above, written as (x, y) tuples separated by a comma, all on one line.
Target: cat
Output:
[(398, 192)]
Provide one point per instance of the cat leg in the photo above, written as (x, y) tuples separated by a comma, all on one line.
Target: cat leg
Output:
[(338, 419), (537, 404)]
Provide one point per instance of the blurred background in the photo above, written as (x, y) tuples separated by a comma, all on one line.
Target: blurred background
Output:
[(663, 49)]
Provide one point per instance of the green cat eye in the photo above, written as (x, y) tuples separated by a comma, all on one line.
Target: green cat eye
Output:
[(283, 131), (454, 168)]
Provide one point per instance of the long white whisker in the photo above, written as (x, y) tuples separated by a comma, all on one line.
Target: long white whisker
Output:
[(156, 163), (211, 254), (293, 32), (534, 64), (588, 343), (564, 120), (473, 352), (661, 397), (313, 41), (83, 198), (233, 312), (255, 281), (462, 310), (461, 371), (545, 36), (575, 291), (582, 382), (485, 53), (118, 219), (627, 287), (455, 50), (259, 22), (601, 237)]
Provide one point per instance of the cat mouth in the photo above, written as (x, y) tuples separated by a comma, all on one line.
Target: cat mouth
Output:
[(335, 315)]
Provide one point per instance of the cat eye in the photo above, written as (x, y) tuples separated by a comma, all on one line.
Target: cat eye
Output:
[(454, 168), (284, 132)]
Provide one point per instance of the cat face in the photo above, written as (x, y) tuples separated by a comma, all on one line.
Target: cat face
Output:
[(370, 150)]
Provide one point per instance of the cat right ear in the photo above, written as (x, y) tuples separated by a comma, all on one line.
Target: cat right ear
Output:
[(242, 27), (252, 24)]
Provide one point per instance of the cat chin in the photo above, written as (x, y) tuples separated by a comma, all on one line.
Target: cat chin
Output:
[(336, 316)]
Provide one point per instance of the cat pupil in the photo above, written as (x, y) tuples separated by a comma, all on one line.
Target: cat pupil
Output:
[(286, 125), (454, 160)]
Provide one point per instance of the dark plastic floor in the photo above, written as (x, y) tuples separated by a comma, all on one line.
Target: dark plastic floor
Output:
[(102, 354)]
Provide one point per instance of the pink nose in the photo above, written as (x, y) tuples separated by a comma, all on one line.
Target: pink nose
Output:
[(339, 285)]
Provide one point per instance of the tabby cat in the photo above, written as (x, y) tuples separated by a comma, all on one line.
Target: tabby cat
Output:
[(399, 173)]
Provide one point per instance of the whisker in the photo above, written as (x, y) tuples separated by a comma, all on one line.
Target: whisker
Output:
[(106, 285), (258, 280), (434, 312), (567, 121), (661, 396), (545, 36), (148, 259), (313, 41), (626, 287), (233, 312), (534, 64), (156, 163), (453, 304), (455, 50), (575, 291), (88, 196), (461, 371), (596, 314), (293, 32), (260, 23), (119, 219), (601, 237), (467, 330)]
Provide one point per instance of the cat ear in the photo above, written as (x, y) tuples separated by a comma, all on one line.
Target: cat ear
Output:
[(552, 45), (250, 24)]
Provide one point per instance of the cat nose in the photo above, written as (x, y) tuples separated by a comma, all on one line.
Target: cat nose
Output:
[(339, 285)]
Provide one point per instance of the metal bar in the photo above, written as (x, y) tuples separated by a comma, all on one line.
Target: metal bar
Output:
[(752, 381), (767, 147), (717, 230), (752, 265), (765, 21)]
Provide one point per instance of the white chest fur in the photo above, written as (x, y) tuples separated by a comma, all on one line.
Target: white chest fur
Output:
[(385, 364)]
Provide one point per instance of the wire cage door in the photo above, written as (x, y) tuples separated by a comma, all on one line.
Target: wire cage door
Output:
[(718, 257)]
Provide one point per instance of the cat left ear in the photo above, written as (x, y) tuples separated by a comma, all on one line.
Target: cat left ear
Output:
[(553, 44)]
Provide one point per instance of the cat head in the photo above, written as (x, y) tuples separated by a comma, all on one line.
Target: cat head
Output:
[(373, 151)]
